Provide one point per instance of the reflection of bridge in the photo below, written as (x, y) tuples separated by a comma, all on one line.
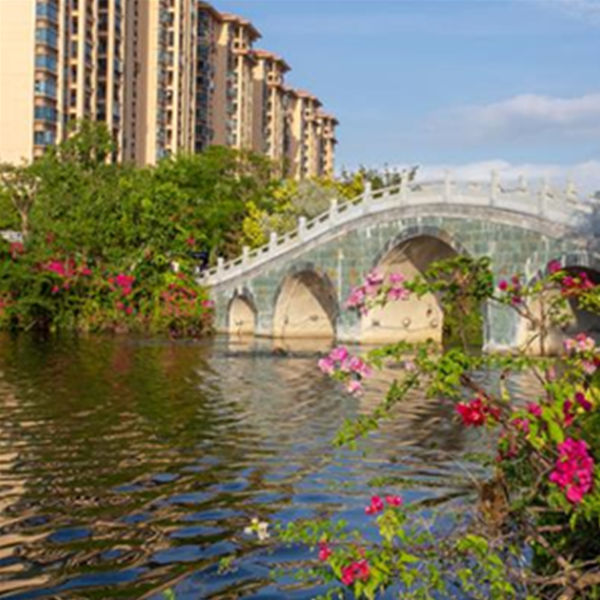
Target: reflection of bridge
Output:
[(296, 284)]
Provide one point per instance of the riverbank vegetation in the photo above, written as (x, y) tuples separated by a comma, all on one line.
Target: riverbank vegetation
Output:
[(115, 247), (534, 528)]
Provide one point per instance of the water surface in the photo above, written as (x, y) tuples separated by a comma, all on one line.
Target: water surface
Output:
[(129, 466)]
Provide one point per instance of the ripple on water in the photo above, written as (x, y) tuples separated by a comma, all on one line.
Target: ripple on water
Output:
[(134, 465)]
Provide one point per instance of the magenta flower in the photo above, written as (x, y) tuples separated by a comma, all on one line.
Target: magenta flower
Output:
[(358, 570), (398, 293), (394, 500), (583, 401), (503, 285), (534, 409), (396, 278), (573, 470), (375, 506), (324, 551), (554, 266), (339, 354), (56, 267), (327, 365)]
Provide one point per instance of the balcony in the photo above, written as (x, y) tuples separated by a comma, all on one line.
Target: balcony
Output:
[(46, 11)]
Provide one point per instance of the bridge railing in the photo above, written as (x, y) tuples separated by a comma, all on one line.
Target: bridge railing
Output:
[(558, 206)]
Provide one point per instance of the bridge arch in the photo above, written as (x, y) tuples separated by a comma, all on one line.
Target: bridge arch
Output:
[(578, 320), (414, 319), (305, 304), (241, 314)]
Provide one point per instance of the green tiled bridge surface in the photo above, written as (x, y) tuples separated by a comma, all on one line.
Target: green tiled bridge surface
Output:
[(296, 285)]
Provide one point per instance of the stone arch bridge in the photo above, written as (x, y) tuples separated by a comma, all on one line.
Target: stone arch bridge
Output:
[(296, 285)]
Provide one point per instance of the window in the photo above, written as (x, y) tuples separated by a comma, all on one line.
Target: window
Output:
[(46, 87), (46, 113), (46, 35), (43, 138), (45, 61), (47, 11)]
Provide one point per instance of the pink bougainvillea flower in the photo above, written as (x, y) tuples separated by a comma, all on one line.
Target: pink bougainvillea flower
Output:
[(55, 289), (359, 366), (340, 353), (567, 414), (581, 399), (521, 424), (503, 285), (86, 271), (354, 386), (326, 365), (398, 293), (573, 469), (534, 409), (375, 506), (324, 551), (476, 412), (396, 278), (348, 575), (554, 266), (190, 242), (55, 266), (356, 298), (394, 500)]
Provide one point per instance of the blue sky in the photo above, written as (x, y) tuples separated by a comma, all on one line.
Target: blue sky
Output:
[(466, 84)]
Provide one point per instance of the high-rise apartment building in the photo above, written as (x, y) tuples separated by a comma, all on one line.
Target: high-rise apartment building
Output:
[(60, 60), (269, 104), (166, 76)]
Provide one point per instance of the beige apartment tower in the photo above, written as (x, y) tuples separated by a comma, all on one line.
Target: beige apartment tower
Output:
[(60, 60), (166, 76)]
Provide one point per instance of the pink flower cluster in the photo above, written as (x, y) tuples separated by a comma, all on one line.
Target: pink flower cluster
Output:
[(374, 288), (358, 570), (340, 359), (68, 270), (476, 412), (580, 343), (572, 284), (377, 504), (573, 470), (513, 288)]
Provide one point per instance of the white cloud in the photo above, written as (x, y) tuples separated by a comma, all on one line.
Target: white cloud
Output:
[(589, 10), (585, 175), (526, 117)]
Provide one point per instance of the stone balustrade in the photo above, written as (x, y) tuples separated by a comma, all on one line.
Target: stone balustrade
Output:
[(557, 206)]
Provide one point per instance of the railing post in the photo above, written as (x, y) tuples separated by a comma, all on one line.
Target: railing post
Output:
[(272, 241), (542, 196), (220, 264), (447, 186), (301, 227), (494, 187), (367, 192), (245, 254), (333, 209), (570, 191), (404, 187), (522, 184)]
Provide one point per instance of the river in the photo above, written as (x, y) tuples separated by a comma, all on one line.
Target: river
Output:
[(131, 466)]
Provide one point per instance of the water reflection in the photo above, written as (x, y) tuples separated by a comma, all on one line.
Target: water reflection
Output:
[(134, 465)]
